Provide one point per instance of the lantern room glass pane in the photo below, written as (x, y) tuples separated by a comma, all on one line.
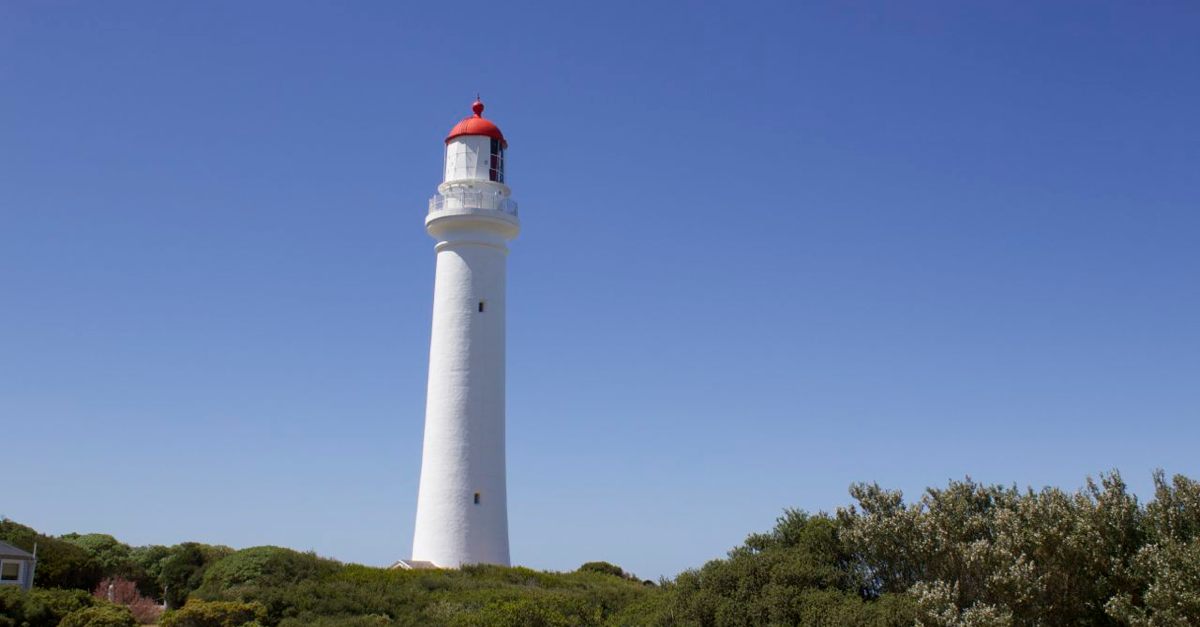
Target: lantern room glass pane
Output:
[(496, 162)]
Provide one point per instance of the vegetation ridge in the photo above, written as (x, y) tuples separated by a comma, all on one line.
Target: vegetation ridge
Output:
[(966, 555)]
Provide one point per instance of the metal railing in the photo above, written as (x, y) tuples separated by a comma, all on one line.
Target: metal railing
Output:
[(473, 200)]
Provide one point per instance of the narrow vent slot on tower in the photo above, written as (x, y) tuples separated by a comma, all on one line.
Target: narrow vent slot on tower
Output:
[(482, 306)]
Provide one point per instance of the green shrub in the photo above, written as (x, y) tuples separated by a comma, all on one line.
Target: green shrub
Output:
[(963, 555), (40, 607), (106, 615), (110, 555), (183, 567), (267, 566), (214, 614), (603, 568), (147, 568), (516, 613), (369, 620), (1170, 575)]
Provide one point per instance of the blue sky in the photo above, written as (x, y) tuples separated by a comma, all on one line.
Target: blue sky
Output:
[(768, 250)]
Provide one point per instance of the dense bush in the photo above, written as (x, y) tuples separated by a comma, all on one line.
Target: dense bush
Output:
[(106, 615), (264, 566), (147, 568), (975, 554), (108, 554), (367, 620), (967, 555), (516, 613), (801, 573), (214, 614), (604, 568), (369, 596), (181, 570), (39, 607), (80, 561), (1165, 571)]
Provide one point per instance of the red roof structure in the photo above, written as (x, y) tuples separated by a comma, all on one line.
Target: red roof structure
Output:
[(476, 125)]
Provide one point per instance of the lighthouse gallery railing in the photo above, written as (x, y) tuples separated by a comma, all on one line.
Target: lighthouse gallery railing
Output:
[(472, 200)]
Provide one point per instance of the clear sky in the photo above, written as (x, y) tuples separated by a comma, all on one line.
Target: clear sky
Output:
[(768, 250)]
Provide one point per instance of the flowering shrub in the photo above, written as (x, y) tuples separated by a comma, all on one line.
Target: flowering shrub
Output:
[(124, 592)]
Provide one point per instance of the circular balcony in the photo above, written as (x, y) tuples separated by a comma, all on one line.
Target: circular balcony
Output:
[(464, 199)]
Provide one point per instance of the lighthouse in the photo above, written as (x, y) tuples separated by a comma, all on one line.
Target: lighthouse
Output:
[(462, 508)]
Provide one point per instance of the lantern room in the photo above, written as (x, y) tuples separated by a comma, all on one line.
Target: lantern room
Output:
[(475, 150)]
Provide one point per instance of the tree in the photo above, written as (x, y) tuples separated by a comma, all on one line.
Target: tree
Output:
[(110, 555), (1166, 570), (182, 570), (800, 573), (975, 554), (267, 566), (147, 563)]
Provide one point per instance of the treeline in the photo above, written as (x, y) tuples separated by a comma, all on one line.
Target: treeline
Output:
[(81, 561), (967, 555)]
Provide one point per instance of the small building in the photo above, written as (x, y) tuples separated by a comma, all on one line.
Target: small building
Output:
[(413, 565), (16, 566)]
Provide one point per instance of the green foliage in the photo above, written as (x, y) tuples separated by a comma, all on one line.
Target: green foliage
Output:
[(514, 613), (105, 615), (798, 574), (1167, 568), (147, 564), (264, 566), (1174, 515), (966, 555), (443, 597), (977, 554), (114, 558), (106, 552), (368, 620), (215, 614), (40, 607), (61, 564), (182, 569), (603, 568), (1172, 594)]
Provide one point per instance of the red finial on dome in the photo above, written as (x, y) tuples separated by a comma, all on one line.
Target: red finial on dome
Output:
[(477, 125)]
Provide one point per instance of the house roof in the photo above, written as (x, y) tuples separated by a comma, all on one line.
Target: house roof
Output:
[(12, 552), (413, 565)]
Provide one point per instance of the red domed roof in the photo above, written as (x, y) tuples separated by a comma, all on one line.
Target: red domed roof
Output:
[(476, 125)]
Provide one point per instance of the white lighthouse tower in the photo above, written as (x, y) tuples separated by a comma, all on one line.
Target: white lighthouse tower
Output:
[(462, 508)]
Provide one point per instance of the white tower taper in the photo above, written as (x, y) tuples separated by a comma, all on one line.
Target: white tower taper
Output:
[(462, 508)]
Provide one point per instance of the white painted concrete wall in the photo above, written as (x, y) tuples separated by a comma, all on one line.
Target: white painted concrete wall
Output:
[(465, 407)]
